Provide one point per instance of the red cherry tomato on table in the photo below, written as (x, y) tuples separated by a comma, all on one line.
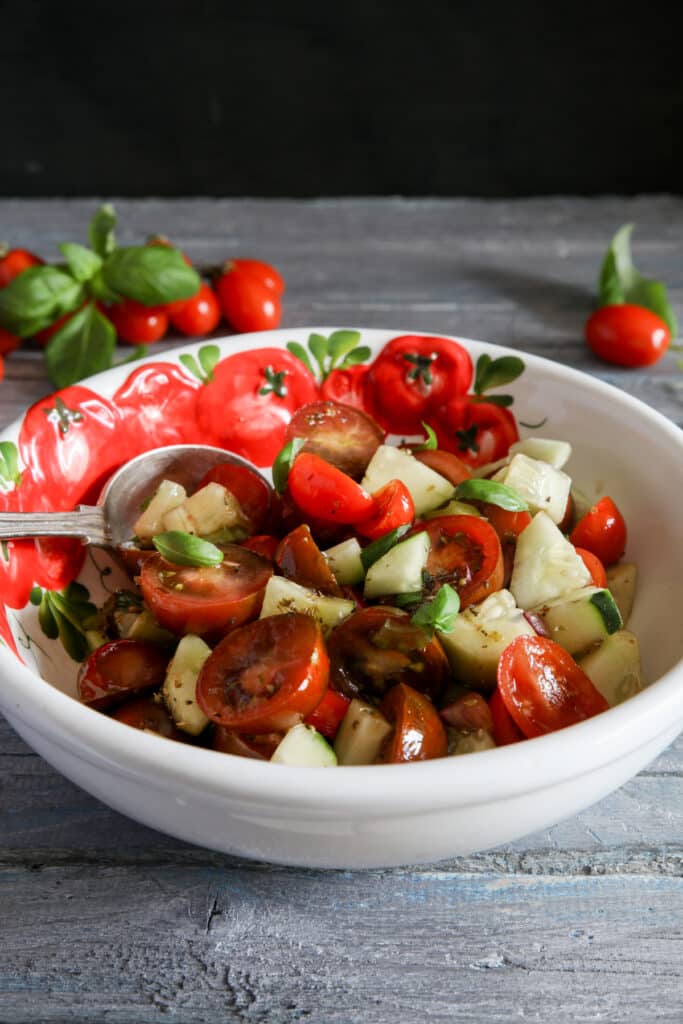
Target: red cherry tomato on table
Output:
[(418, 733), (393, 508), (247, 303), (477, 432), (251, 490), (266, 676), (504, 729), (328, 715), (198, 315), (602, 531), (343, 436), (413, 374), (465, 553), (250, 401), (594, 566), (323, 491), (627, 335), (208, 601), (158, 406), (14, 262), (120, 669), (263, 272), (300, 559), (137, 324), (8, 342), (543, 688)]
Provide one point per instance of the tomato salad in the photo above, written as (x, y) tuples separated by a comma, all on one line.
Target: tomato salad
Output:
[(387, 600)]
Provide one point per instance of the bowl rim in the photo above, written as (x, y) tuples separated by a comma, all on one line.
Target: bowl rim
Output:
[(504, 772)]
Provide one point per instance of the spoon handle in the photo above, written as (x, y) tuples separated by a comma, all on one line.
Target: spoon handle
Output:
[(87, 522)]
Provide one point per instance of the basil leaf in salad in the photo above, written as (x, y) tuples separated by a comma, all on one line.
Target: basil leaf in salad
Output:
[(440, 613), (101, 231), (84, 345), (284, 462), (620, 282), (150, 274), (36, 298), (82, 263), (373, 551), (491, 492), (186, 549)]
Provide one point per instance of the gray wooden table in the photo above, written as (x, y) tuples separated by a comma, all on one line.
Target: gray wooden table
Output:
[(104, 920)]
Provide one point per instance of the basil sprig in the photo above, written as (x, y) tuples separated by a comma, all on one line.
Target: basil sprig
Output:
[(36, 298), (84, 345), (337, 352), (491, 492), (186, 549), (150, 274), (284, 462), (620, 282), (440, 613)]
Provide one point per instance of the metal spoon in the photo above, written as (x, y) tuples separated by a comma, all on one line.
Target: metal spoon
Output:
[(110, 523)]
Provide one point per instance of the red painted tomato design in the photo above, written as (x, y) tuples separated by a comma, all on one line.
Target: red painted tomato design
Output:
[(158, 406)]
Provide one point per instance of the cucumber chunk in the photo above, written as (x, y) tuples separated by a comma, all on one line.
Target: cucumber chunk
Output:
[(614, 667), (581, 620), (213, 512), (427, 488), (180, 686), (544, 488), (167, 496), (479, 636), (400, 570), (546, 565), (361, 734), (345, 562), (304, 747), (453, 508), (283, 595), (621, 582), (556, 453)]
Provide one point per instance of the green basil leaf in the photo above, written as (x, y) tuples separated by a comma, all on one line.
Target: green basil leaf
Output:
[(208, 357), (495, 373), (300, 352), (46, 619), (318, 346), (84, 345), (431, 442), (340, 343), (150, 274), (284, 461), (621, 282), (9, 464), (491, 492), (371, 552), (610, 287), (186, 549), (357, 356), (101, 231), (36, 298), (82, 263), (439, 614), (99, 290), (652, 295)]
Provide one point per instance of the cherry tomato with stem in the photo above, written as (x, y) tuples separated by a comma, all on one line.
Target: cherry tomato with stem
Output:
[(466, 553), (300, 559), (393, 508), (265, 676), (594, 566), (328, 715), (247, 303), (543, 688), (199, 315), (137, 324), (602, 531), (14, 261), (320, 489), (418, 733), (627, 335), (120, 669), (345, 437)]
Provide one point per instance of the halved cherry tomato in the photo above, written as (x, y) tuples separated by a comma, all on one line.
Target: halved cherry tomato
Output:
[(478, 432), (14, 262), (247, 303), (148, 714), (504, 729), (345, 437), (328, 715), (133, 558), (262, 544), (158, 406), (321, 490), (120, 669), (8, 342), (263, 272), (594, 566), (627, 335), (508, 525), (377, 647), (543, 688), (468, 712), (207, 601), (418, 733), (260, 746), (198, 315), (446, 464), (413, 374), (348, 387), (251, 399), (300, 559), (137, 324), (393, 507), (251, 490), (266, 676), (602, 531), (466, 554)]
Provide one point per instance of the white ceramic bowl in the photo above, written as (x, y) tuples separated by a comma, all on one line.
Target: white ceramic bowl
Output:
[(397, 814)]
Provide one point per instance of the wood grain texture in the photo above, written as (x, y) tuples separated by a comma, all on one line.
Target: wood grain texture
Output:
[(103, 919)]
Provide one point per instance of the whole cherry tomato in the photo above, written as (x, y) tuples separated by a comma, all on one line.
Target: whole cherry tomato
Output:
[(263, 272), (321, 490), (120, 669), (465, 552), (477, 432), (627, 335), (299, 558), (198, 315), (418, 733), (248, 304), (266, 676), (602, 531), (393, 508), (137, 324), (594, 566), (346, 437), (8, 342), (158, 406), (15, 261)]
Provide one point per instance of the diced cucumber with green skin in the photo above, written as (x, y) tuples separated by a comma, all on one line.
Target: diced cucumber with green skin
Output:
[(180, 685), (479, 636), (614, 667), (427, 488), (212, 512), (621, 582), (168, 495), (304, 747), (400, 570), (581, 620), (453, 508), (546, 565), (345, 562), (542, 487), (361, 734), (283, 595), (556, 453)]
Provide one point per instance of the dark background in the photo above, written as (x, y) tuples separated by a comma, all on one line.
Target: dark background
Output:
[(270, 99)]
